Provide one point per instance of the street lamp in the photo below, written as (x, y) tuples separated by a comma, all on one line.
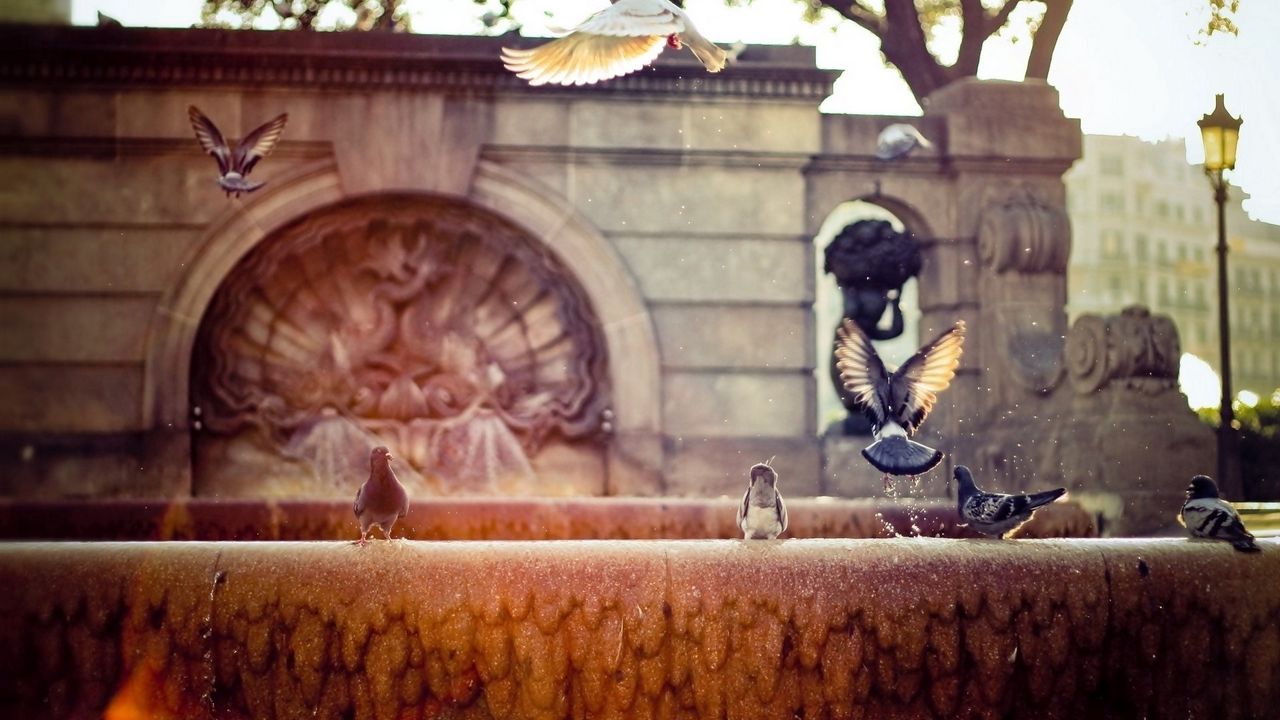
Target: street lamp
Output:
[(1220, 131)]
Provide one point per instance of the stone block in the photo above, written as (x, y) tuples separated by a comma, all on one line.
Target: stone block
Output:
[(735, 336), (70, 398), (154, 464), (696, 126), (713, 404), (627, 195), (53, 329), (710, 466), (524, 120), (127, 259), (691, 269), (992, 119)]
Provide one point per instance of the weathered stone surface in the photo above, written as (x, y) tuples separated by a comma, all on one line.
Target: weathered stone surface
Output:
[(67, 328), (92, 259), (708, 336), (70, 398), (720, 270), (822, 628), (737, 404), (669, 518)]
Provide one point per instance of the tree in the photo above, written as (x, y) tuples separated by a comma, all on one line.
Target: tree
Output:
[(906, 29)]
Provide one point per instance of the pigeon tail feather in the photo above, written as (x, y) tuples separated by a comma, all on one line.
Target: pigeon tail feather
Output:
[(897, 455), (1245, 544), (1044, 498)]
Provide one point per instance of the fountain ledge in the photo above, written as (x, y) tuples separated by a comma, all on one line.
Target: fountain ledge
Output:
[(910, 627)]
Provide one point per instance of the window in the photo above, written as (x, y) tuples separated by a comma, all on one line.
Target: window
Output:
[(1162, 209), (1199, 254), (1198, 215), (1112, 165), (1183, 297), (1112, 203), (1140, 246), (1164, 292), (1162, 253), (1182, 253), (1111, 244), (1116, 286), (1178, 213), (1142, 291)]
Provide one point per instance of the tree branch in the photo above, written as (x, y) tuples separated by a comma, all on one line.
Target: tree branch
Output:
[(972, 34), (997, 21), (1046, 38), (861, 15)]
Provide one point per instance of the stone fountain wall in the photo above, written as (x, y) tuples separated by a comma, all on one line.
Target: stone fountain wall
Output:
[(914, 628)]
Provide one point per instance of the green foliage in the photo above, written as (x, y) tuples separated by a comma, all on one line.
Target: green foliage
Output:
[(1258, 441), (302, 14)]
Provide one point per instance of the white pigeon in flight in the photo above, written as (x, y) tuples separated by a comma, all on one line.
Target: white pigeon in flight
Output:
[(898, 140), (618, 40)]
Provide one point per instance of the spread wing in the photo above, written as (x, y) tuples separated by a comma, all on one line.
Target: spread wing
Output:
[(861, 370), (210, 139), (915, 385), (616, 41), (257, 144)]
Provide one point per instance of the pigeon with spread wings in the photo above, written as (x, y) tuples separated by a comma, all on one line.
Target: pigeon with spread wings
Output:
[(234, 164), (898, 140), (897, 402), (618, 40)]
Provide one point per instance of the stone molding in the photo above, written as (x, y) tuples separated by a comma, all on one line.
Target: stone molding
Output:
[(1023, 233), (1134, 348), (138, 56)]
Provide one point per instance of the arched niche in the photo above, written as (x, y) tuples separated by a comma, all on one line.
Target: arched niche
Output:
[(828, 299), (543, 219)]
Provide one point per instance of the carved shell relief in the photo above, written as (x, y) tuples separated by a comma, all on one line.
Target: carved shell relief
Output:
[(1024, 233), (437, 329)]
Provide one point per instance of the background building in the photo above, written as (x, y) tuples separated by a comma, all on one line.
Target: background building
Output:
[(1144, 231)]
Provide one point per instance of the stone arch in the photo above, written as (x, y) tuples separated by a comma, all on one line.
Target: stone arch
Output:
[(623, 318)]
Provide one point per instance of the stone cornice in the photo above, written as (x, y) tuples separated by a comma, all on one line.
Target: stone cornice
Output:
[(37, 55)]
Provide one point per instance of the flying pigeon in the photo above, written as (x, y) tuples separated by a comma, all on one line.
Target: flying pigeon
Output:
[(763, 514), (618, 40), (897, 402), (996, 513), (234, 165), (898, 140), (381, 500), (1206, 515)]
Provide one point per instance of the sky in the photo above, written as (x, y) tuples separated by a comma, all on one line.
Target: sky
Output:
[(1136, 67)]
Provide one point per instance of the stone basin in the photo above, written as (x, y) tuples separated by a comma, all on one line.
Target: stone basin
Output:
[(888, 628)]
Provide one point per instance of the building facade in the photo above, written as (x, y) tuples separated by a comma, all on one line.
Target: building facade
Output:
[(1144, 230)]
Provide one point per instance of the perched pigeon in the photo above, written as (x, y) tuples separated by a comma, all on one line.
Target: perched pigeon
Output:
[(234, 165), (381, 500), (997, 513), (616, 41), (897, 402), (898, 140), (1206, 515), (105, 20), (763, 514)]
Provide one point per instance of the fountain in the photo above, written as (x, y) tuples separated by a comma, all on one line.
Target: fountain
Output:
[(577, 331)]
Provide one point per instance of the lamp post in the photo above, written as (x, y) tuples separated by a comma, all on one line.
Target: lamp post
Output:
[(1220, 131)]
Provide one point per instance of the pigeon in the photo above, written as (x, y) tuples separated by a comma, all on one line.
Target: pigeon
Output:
[(105, 20), (234, 165), (763, 514), (996, 513), (1206, 515), (618, 40), (381, 500), (897, 402), (898, 140)]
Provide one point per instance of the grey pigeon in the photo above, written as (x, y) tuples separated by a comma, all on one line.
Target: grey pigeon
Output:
[(996, 513), (898, 140), (105, 20), (381, 500), (234, 165), (897, 402), (1206, 515), (763, 514)]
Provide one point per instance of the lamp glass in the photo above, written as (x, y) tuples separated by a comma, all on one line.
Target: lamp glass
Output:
[(1229, 138), (1213, 147)]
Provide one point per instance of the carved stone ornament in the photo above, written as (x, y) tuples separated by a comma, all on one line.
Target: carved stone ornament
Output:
[(1135, 348), (1025, 234), (431, 327)]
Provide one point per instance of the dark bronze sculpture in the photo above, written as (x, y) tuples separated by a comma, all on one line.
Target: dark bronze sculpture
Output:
[(871, 261)]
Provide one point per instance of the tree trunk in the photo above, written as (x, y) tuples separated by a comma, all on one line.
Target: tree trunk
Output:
[(1046, 38)]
